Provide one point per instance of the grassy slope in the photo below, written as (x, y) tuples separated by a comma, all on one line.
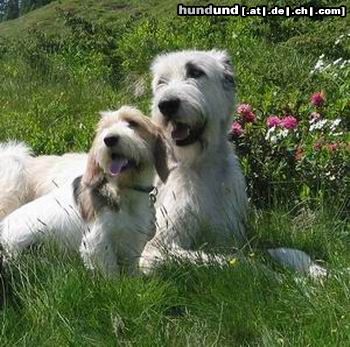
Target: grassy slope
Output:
[(273, 73), (53, 301), (104, 11)]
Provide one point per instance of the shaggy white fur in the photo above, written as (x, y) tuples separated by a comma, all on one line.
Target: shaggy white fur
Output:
[(204, 199), (14, 187)]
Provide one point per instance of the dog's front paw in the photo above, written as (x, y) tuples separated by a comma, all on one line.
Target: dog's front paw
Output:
[(99, 258)]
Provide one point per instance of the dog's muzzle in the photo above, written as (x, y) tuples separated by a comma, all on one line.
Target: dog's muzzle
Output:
[(111, 141), (119, 164), (118, 161), (182, 133), (169, 107)]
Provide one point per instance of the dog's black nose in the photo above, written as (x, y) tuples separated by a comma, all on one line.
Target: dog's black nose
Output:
[(111, 141), (169, 107)]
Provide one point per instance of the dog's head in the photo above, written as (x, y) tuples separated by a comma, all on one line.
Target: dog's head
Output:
[(126, 147), (193, 97)]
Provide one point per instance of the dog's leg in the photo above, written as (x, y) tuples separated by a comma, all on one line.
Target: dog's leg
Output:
[(23, 228), (97, 249), (295, 259), (151, 258), (52, 216), (155, 255)]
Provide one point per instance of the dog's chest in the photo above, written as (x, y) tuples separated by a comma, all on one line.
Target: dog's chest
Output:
[(136, 213), (196, 202), (186, 193)]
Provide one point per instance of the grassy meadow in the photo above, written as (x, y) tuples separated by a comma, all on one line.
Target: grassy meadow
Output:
[(63, 63)]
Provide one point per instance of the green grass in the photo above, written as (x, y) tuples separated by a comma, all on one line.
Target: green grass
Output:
[(58, 71), (53, 301), (103, 11)]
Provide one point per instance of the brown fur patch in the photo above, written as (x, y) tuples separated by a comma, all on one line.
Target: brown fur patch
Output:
[(91, 200)]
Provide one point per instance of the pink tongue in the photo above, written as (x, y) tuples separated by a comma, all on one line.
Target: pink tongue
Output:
[(180, 132), (117, 166)]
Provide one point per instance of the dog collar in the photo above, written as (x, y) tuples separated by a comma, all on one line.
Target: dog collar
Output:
[(150, 190), (138, 188), (142, 189)]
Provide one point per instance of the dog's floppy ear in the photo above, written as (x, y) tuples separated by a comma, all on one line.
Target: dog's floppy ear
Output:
[(160, 153), (93, 173)]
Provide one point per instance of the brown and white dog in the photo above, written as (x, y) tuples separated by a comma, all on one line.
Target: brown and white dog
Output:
[(106, 212)]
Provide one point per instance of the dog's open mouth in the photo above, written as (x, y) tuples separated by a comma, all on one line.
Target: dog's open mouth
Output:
[(120, 164), (184, 135)]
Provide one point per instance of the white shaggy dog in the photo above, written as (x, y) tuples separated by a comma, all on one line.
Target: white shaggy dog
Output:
[(204, 199), (107, 212)]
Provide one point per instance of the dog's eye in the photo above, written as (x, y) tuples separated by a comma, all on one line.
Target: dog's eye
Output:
[(194, 72), (133, 124), (161, 81)]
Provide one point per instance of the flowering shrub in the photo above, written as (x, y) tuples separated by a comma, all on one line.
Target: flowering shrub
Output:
[(293, 154)]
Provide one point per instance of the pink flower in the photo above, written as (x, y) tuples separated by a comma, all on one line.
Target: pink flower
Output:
[(273, 121), (236, 129), (246, 113), (289, 122), (243, 109), (249, 117), (332, 147), (317, 146), (318, 99)]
